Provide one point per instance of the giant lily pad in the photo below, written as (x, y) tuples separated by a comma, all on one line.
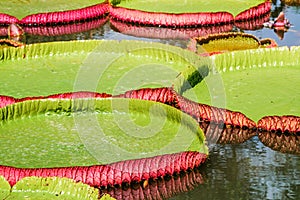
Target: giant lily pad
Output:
[(188, 6), (52, 188), (49, 188), (257, 83), (182, 13), (57, 133), (4, 188), (184, 33), (104, 66), (20, 9), (230, 41)]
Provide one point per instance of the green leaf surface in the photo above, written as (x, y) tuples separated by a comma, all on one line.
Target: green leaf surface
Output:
[(188, 6), (103, 66), (22, 8), (4, 188), (255, 82), (52, 188), (107, 197), (56, 133)]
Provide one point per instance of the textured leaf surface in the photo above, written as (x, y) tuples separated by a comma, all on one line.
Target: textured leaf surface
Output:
[(4, 188), (188, 6), (255, 82), (22, 8), (56, 133), (104, 66), (51, 188)]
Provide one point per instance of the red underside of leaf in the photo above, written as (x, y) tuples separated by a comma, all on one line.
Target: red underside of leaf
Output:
[(6, 100), (118, 173), (290, 124), (254, 12), (7, 19), (170, 20), (253, 24), (185, 33), (61, 17), (199, 111), (280, 133), (65, 17), (137, 17)]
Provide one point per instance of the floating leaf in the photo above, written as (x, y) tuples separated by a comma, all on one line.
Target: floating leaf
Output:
[(103, 66), (4, 188), (21, 8), (258, 83), (52, 188), (166, 33), (57, 133), (190, 13), (188, 6), (230, 41)]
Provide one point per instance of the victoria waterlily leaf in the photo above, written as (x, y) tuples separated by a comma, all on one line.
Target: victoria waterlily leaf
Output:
[(188, 6), (230, 41), (84, 132), (258, 83), (20, 9), (189, 13), (51, 188), (184, 33), (112, 67), (4, 188)]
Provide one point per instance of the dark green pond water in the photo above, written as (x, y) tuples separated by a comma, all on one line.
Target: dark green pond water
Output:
[(243, 171), (248, 171)]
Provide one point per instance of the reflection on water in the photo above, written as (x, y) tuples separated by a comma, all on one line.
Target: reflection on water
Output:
[(285, 143), (289, 38), (248, 171), (159, 189)]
